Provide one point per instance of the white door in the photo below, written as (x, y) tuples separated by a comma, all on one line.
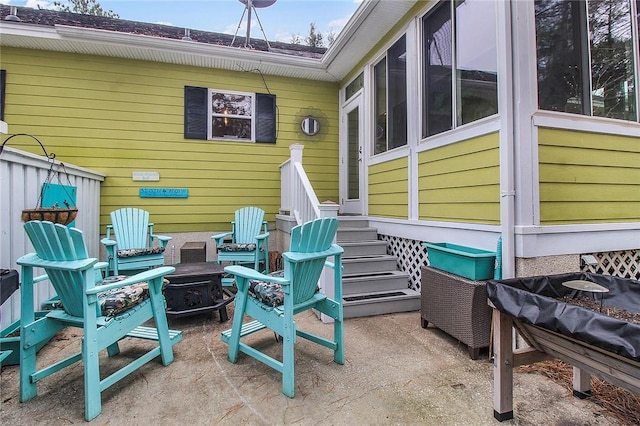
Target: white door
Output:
[(352, 182)]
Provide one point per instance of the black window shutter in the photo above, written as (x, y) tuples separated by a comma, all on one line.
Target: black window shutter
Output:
[(265, 118), (195, 112)]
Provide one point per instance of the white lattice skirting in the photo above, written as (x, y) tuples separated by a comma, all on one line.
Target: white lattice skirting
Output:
[(624, 264), (412, 256)]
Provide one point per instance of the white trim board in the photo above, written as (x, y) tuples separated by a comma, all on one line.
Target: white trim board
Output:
[(535, 241)]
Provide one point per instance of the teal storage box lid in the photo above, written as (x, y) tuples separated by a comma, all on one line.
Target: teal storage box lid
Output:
[(469, 262)]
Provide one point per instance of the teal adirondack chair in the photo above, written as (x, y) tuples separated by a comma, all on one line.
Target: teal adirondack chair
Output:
[(273, 300), (133, 248), (106, 313), (249, 244)]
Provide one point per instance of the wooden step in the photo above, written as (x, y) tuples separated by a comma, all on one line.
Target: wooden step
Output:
[(364, 248), (374, 282), (369, 264), (352, 222), (346, 235), (368, 304)]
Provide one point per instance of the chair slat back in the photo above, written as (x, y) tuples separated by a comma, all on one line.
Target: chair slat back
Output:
[(312, 237), (131, 228), (55, 242), (248, 223)]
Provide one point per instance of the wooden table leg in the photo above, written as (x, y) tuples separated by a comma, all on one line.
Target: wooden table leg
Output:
[(502, 366), (581, 383)]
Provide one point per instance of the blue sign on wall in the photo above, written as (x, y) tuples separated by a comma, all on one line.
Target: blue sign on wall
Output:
[(164, 193)]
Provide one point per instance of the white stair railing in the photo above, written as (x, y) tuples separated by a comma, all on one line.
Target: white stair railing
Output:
[(305, 201), (298, 198)]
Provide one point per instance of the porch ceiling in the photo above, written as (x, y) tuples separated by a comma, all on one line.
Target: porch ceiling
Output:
[(370, 22)]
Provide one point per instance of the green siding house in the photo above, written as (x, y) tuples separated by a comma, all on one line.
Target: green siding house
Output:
[(439, 121)]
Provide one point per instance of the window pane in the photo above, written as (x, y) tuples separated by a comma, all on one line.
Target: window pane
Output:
[(231, 128), (354, 86), (559, 25), (613, 91), (380, 76), (397, 120), (437, 108), (231, 104), (477, 60)]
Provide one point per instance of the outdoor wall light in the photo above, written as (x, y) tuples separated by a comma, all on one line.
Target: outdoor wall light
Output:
[(310, 126)]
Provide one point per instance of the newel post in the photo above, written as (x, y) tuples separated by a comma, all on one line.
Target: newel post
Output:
[(296, 152)]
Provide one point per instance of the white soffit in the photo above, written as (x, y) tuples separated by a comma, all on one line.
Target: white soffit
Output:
[(367, 26), (371, 21), (133, 46)]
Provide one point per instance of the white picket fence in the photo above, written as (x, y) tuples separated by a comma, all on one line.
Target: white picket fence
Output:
[(21, 177)]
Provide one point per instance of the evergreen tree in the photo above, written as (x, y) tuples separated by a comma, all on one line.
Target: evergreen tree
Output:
[(314, 39), (84, 7)]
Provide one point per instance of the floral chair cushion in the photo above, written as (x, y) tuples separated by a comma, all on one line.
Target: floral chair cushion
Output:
[(118, 300), (139, 252), (268, 293), (237, 247)]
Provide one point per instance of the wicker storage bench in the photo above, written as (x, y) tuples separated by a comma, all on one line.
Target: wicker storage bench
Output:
[(457, 306)]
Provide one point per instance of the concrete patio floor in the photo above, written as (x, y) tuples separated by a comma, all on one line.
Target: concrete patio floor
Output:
[(395, 373)]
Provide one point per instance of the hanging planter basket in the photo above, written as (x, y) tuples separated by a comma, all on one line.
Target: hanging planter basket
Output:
[(63, 216), (53, 213)]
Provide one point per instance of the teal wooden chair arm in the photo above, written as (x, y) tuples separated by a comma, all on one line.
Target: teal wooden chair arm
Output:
[(108, 242), (163, 240), (252, 274), (295, 257), (33, 260), (261, 237), (219, 238)]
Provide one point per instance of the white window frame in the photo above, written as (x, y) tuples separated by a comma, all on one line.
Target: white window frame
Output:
[(384, 56), (211, 115)]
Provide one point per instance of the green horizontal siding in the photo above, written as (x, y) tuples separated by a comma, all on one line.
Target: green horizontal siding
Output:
[(588, 177), (117, 116), (388, 189), (461, 182)]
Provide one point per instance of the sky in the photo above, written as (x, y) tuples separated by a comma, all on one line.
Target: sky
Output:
[(281, 21)]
